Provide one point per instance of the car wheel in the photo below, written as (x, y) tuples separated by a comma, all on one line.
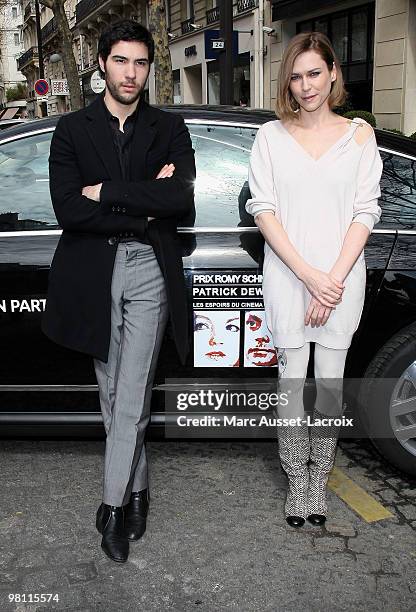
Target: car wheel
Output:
[(390, 405)]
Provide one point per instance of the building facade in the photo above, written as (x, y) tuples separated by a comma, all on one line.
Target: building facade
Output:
[(11, 47), (192, 26), (28, 62), (375, 42), (376, 45)]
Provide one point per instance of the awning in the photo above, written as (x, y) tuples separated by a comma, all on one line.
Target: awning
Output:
[(287, 9), (10, 113)]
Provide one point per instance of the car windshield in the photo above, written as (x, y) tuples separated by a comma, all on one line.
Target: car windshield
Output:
[(222, 153), (221, 189), (24, 184)]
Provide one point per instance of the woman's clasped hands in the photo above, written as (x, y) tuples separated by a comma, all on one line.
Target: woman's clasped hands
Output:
[(326, 291)]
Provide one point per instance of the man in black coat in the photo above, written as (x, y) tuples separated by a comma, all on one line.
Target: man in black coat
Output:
[(121, 178)]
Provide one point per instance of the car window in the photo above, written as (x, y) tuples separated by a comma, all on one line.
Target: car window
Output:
[(398, 192), (221, 189), (25, 202)]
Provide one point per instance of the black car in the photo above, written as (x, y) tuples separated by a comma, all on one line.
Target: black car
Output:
[(46, 388)]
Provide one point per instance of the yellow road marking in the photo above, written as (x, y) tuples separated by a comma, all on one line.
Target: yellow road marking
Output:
[(357, 498)]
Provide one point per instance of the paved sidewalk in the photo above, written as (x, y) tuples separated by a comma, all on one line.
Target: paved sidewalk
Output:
[(216, 537)]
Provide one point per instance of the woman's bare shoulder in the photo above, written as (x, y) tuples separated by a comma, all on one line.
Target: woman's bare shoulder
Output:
[(363, 132)]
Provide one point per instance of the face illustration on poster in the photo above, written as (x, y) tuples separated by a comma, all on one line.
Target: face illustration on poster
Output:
[(258, 341), (216, 338)]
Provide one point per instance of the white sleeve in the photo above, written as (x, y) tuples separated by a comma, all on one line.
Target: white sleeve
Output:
[(260, 178), (366, 209)]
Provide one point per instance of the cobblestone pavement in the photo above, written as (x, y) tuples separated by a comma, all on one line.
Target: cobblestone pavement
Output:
[(216, 537)]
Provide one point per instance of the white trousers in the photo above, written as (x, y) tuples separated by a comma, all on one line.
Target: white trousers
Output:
[(328, 371)]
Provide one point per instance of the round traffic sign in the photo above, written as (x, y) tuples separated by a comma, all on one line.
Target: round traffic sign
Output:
[(97, 83), (41, 87)]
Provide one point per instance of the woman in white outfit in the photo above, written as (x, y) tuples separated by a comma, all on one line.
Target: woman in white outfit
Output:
[(314, 178)]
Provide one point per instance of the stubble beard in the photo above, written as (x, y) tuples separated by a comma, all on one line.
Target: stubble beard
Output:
[(127, 98)]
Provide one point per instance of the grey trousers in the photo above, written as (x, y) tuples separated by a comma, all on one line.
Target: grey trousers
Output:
[(139, 313)]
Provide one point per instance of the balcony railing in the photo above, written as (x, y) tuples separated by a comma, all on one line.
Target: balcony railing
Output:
[(85, 7), (245, 5), (87, 65), (186, 26), (29, 11), (27, 56), (213, 15), (49, 29)]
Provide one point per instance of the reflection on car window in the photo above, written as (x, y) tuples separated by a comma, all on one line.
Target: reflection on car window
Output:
[(221, 190), (398, 192), (25, 202)]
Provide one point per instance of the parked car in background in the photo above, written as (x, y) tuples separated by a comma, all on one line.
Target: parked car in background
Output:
[(47, 388)]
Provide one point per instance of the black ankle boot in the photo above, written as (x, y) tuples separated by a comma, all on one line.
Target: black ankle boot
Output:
[(110, 522), (135, 515), (295, 521), (317, 519)]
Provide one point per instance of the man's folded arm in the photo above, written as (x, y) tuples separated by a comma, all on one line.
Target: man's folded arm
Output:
[(162, 198), (75, 212)]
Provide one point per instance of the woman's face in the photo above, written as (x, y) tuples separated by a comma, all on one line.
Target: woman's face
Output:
[(216, 338), (311, 77), (258, 345)]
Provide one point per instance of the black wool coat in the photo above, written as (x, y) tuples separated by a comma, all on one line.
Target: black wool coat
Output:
[(78, 308)]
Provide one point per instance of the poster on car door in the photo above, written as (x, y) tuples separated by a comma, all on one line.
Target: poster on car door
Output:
[(229, 326)]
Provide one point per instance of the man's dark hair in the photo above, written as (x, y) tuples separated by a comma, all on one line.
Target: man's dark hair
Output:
[(126, 29)]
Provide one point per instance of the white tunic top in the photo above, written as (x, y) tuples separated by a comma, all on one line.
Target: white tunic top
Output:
[(315, 201)]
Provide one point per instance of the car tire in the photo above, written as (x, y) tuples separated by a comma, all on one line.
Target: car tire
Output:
[(395, 361)]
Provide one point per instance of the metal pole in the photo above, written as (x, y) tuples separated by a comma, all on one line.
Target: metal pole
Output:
[(43, 106), (226, 56), (260, 85)]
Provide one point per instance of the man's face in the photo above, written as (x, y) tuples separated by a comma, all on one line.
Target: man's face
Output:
[(126, 70)]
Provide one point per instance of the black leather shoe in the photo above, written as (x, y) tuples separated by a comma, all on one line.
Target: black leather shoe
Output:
[(317, 519), (110, 522), (295, 521), (100, 518), (135, 515)]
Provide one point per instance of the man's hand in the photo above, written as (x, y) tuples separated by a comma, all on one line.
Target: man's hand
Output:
[(92, 192), (166, 172), (317, 314)]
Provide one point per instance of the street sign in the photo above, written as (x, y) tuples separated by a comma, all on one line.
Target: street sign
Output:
[(59, 87), (217, 44), (97, 83), (212, 51), (41, 87)]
